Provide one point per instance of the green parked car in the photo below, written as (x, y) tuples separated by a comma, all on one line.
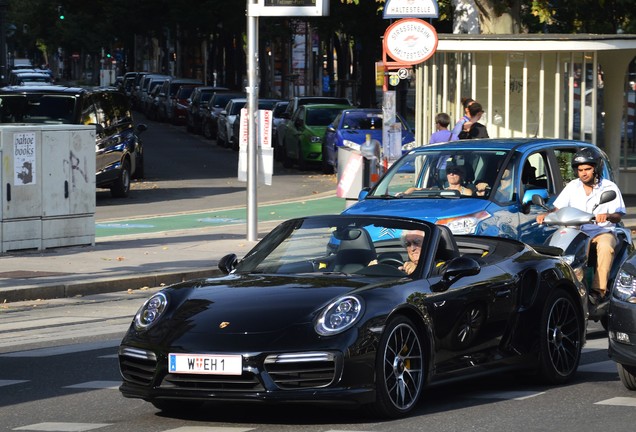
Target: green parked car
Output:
[(302, 142)]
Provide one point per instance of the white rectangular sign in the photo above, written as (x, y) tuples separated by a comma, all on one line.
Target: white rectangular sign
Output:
[(288, 8), (24, 159), (265, 152)]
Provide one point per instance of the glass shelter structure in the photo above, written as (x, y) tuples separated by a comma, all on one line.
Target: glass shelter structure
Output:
[(537, 85)]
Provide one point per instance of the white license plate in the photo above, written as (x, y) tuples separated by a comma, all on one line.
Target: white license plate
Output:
[(211, 364)]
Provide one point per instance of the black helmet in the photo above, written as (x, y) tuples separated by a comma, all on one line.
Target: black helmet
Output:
[(589, 156)]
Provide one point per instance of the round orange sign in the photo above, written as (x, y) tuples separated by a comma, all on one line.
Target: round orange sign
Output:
[(410, 41)]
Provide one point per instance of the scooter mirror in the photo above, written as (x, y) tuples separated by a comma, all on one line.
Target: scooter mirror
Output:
[(607, 196)]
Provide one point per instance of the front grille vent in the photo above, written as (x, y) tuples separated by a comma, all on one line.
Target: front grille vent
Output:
[(302, 370), (137, 366), (246, 382)]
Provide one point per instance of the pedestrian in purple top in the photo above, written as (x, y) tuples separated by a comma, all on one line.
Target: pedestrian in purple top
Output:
[(442, 120)]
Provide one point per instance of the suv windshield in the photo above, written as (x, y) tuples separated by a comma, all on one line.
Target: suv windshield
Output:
[(37, 108), (424, 174)]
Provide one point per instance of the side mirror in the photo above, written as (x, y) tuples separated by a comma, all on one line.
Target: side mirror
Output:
[(299, 123), (142, 127), (363, 193), (537, 199), (457, 268), (460, 267), (228, 263), (528, 197)]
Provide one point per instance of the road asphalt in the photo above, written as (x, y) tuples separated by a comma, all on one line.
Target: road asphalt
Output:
[(136, 254)]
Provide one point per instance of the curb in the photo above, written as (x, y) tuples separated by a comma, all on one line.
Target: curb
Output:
[(101, 286)]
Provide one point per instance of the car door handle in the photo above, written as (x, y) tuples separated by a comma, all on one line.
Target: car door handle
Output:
[(503, 293)]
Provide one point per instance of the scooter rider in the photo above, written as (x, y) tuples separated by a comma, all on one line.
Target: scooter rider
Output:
[(584, 194)]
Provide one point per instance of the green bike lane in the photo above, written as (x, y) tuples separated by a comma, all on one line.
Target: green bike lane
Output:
[(215, 218)]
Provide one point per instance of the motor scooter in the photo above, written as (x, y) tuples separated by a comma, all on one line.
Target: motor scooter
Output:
[(573, 245)]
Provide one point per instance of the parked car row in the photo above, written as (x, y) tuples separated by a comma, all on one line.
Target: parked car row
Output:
[(307, 131)]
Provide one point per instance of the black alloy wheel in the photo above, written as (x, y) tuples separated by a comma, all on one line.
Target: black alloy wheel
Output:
[(399, 368), (561, 336)]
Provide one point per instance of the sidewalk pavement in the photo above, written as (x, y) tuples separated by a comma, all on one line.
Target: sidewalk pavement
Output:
[(184, 248)]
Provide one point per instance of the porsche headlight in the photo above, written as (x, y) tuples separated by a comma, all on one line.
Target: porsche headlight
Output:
[(625, 287), (339, 316), (466, 224), (408, 146), (315, 139), (151, 311)]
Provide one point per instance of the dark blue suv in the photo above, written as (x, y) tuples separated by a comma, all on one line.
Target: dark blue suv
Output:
[(498, 178), (119, 150)]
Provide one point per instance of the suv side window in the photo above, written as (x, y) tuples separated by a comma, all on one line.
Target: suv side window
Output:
[(89, 113), (105, 115), (564, 158), (535, 173), (120, 109)]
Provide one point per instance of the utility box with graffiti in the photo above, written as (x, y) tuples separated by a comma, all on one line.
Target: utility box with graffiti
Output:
[(48, 186)]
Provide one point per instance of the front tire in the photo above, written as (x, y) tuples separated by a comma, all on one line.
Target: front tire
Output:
[(627, 375), (326, 167), (399, 369), (288, 162), (303, 165), (207, 130), (140, 168), (561, 335), (121, 187)]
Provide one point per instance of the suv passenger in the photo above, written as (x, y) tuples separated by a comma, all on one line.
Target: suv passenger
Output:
[(119, 150)]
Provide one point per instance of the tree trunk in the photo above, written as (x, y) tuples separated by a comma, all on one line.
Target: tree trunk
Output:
[(499, 17)]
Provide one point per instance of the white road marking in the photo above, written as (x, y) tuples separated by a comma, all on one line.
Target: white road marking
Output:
[(63, 427), (96, 385), (619, 401), (11, 382)]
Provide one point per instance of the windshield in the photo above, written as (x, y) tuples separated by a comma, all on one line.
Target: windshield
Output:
[(441, 173), (37, 108), (362, 120), (321, 116), (336, 245)]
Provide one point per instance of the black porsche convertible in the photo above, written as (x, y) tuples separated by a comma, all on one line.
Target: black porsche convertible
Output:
[(321, 311)]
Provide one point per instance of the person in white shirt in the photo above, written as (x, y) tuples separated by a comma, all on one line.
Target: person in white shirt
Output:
[(584, 194)]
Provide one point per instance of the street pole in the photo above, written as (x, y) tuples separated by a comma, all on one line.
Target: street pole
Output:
[(252, 107), (4, 67)]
